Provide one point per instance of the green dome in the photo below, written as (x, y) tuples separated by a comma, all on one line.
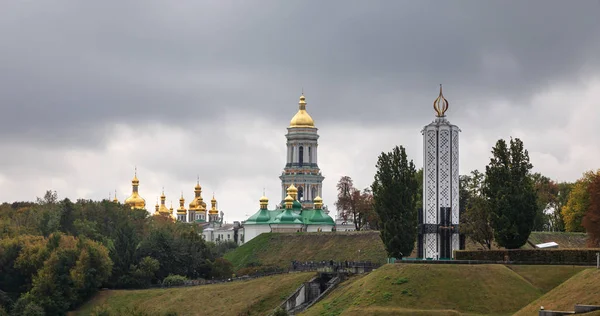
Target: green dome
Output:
[(319, 217), (260, 217), (287, 217), (297, 206)]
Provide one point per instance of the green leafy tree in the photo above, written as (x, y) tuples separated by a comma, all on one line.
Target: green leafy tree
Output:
[(510, 194), (419, 178), (475, 216), (546, 194), (395, 199)]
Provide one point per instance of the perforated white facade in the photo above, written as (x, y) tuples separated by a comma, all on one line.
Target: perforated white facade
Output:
[(440, 186)]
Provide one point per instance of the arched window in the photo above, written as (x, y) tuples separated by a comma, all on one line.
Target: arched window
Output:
[(300, 193), (314, 192), (310, 155), (300, 155)]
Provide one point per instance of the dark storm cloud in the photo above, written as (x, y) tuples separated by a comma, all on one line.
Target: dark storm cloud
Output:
[(69, 68)]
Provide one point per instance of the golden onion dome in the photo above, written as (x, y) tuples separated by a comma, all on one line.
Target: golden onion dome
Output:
[(292, 189), (264, 199), (288, 201), (302, 118), (135, 201), (318, 202)]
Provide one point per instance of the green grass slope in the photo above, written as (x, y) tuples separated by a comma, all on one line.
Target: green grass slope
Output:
[(413, 289), (580, 289), (254, 297), (279, 249), (547, 277)]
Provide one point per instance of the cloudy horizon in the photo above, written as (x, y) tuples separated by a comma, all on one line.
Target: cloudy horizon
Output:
[(186, 89)]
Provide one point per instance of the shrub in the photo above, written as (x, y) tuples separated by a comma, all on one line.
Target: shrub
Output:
[(280, 312), (563, 256), (174, 280)]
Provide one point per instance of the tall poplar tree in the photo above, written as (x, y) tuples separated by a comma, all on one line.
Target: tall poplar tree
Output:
[(510, 193), (395, 200)]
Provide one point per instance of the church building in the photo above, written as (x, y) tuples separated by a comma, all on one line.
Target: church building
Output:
[(301, 208)]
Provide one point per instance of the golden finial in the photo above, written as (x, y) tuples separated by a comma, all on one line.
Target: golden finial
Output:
[(302, 102), (440, 105)]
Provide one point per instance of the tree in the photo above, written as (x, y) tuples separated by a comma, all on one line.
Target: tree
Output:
[(591, 220), (557, 221), (395, 193), (419, 178), (546, 194), (352, 203), (577, 204), (510, 194), (475, 210)]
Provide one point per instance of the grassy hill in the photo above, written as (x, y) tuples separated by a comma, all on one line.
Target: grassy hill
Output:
[(279, 249), (580, 289), (563, 239), (547, 277), (414, 289), (253, 297)]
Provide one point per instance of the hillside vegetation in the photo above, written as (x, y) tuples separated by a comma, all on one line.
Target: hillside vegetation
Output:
[(580, 289), (547, 277), (414, 289), (563, 239), (253, 297), (279, 249)]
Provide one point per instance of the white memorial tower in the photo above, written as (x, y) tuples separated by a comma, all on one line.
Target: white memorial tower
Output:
[(438, 220)]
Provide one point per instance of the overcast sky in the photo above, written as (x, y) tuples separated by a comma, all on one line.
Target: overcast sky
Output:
[(180, 89)]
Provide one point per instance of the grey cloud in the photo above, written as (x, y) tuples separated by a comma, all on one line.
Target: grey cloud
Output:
[(73, 68)]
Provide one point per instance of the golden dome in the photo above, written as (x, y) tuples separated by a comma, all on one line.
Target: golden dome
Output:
[(213, 208), (135, 200), (318, 201), (264, 202), (288, 201), (115, 200), (292, 191), (302, 118)]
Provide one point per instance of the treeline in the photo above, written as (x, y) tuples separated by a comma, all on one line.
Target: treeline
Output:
[(501, 205), (56, 254)]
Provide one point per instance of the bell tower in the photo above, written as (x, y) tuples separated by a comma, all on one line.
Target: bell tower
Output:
[(301, 168)]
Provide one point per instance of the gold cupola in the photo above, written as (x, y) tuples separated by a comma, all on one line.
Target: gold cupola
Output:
[(318, 201), (197, 201), (135, 200), (289, 201), (302, 118), (213, 206), (181, 210), (163, 208), (440, 105), (115, 200), (264, 202), (292, 191), (156, 207)]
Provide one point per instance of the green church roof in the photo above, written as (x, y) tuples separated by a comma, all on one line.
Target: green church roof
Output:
[(261, 217), (287, 217), (294, 216)]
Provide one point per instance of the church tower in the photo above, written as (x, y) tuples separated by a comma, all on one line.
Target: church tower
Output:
[(135, 201), (301, 168), (438, 221)]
